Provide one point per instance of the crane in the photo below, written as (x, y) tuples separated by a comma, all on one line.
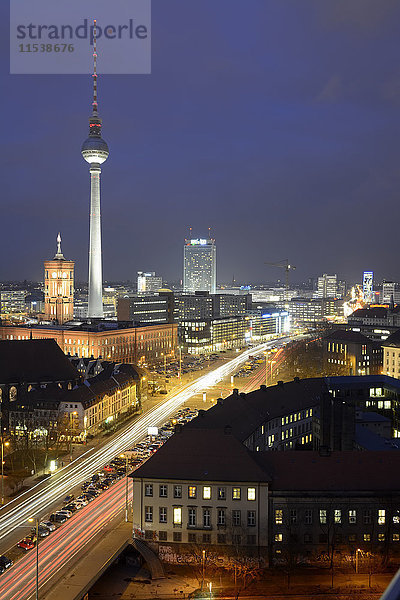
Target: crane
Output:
[(283, 264)]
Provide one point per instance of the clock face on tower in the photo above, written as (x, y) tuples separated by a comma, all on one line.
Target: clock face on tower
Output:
[(54, 275), (64, 275)]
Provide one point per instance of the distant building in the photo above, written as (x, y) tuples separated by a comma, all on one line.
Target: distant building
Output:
[(376, 322), (308, 311), (352, 353), (144, 309), (390, 293), (12, 301), (120, 342), (327, 286), (148, 282), (368, 286), (199, 266), (59, 287), (204, 336), (203, 305)]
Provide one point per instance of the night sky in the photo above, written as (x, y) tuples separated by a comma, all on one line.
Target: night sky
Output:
[(274, 122)]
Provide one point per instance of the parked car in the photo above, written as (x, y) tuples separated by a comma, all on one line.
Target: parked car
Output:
[(50, 526), (27, 543), (70, 508), (58, 517), (6, 562), (66, 512), (69, 498), (43, 531)]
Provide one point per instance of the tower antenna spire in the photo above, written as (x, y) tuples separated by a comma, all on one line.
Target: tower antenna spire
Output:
[(94, 68), (59, 251)]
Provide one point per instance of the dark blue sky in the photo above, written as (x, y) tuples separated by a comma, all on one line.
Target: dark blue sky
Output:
[(275, 122)]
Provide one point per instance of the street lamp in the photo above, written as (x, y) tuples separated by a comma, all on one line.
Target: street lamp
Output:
[(357, 551), (36, 521), (126, 487), (272, 362), (210, 588), (3, 443)]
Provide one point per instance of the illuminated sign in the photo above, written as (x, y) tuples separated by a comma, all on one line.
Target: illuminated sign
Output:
[(198, 242)]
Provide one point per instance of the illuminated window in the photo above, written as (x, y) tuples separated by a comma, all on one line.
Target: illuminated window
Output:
[(177, 515), (192, 491), (221, 493), (278, 537), (367, 537), (236, 493), (352, 516), (322, 516), (381, 537), (338, 515), (293, 515), (206, 492), (396, 517), (278, 516), (381, 516), (251, 493), (396, 537)]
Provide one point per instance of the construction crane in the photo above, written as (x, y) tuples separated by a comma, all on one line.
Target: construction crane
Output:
[(283, 264)]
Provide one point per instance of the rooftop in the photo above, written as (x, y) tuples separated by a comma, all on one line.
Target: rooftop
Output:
[(29, 361)]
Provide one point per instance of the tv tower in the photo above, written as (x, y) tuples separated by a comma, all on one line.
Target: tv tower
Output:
[(95, 152)]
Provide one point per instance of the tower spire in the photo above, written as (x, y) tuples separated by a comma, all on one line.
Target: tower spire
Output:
[(59, 255), (94, 110), (95, 152)]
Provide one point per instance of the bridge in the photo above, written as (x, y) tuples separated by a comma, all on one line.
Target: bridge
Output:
[(80, 577)]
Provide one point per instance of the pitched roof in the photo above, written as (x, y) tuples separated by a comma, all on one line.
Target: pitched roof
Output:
[(202, 455), (393, 340), (346, 335), (341, 471), (31, 361), (245, 412)]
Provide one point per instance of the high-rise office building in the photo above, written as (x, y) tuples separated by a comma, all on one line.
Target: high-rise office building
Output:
[(327, 286), (148, 282), (59, 287), (95, 152), (368, 285), (200, 266)]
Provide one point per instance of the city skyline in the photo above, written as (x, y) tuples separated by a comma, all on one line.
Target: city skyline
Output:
[(232, 133)]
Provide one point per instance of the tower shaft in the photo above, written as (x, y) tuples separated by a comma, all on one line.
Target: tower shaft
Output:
[(95, 301)]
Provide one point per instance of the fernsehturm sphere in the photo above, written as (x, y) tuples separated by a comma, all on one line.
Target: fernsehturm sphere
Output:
[(95, 152)]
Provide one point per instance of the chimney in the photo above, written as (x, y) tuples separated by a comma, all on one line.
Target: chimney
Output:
[(235, 392), (263, 387), (296, 379), (201, 413), (280, 384), (220, 401), (242, 395)]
